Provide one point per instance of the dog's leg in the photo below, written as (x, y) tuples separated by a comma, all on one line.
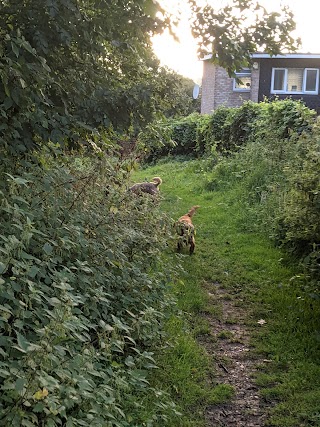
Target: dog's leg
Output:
[(192, 246)]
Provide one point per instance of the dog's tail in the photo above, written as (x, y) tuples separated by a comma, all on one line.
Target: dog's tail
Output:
[(192, 210), (157, 181)]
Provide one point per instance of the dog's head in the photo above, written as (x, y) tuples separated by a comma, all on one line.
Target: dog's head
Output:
[(157, 181)]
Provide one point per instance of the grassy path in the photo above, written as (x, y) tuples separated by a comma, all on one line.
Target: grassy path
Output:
[(245, 315)]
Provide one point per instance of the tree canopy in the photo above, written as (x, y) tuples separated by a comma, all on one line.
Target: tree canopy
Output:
[(69, 67), (231, 34)]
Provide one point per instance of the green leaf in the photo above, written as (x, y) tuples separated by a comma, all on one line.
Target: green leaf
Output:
[(2, 267), (22, 342), (6, 89), (151, 8), (47, 248), (15, 49), (38, 407), (23, 83), (6, 309), (26, 423), (33, 271), (24, 345), (20, 383)]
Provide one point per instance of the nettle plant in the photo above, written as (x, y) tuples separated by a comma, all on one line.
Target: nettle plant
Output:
[(81, 301)]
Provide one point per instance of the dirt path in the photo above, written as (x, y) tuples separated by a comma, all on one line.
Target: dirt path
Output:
[(235, 364)]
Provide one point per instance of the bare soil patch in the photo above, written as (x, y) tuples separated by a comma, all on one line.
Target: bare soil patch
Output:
[(235, 363)]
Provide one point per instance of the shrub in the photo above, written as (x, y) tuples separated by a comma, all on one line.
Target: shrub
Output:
[(277, 174), (80, 299), (299, 220), (169, 137), (156, 140), (226, 130)]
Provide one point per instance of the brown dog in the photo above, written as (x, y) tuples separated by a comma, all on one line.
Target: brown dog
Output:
[(147, 187), (186, 231)]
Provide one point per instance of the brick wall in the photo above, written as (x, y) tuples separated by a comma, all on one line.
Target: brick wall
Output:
[(255, 76), (208, 85), (217, 89)]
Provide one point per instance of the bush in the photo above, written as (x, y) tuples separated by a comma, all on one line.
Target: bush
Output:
[(226, 130), (169, 137), (80, 299), (299, 220), (277, 173)]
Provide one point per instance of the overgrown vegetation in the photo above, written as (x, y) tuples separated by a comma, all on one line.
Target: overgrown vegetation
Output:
[(83, 297), (234, 250), (273, 149), (84, 287)]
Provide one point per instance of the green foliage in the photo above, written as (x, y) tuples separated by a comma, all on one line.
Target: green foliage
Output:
[(278, 168), (184, 133), (81, 301), (299, 220), (172, 94), (156, 140), (230, 128), (226, 130), (70, 68), (280, 119), (169, 137), (235, 31)]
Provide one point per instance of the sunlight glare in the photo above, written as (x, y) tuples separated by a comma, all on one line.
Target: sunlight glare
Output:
[(182, 56)]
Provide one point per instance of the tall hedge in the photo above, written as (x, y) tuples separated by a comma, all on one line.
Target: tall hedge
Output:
[(226, 130)]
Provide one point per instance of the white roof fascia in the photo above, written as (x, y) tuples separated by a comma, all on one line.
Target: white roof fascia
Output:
[(285, 55)]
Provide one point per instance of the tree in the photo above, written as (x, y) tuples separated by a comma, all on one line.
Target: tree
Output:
[(67, 65), (73, 67), (230, 35)]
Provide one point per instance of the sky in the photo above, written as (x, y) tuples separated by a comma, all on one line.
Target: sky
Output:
[(182, 56)]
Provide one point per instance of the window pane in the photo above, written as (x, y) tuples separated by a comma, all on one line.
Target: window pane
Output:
[(278, 81), (245, 83), (295, 79), (311, 80), (244, 71)]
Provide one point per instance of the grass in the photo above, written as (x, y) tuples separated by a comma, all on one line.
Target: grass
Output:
[(230, 251)]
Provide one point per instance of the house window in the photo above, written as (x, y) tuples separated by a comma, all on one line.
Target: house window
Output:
[(242, 81), (295, 80)]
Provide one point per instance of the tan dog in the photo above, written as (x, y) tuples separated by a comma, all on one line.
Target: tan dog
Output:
[(147, 187), (186, 230)]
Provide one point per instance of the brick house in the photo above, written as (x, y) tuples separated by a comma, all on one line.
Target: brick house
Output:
[(294, 75)]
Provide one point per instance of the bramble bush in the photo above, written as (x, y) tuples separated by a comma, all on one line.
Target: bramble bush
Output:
[(82, 294)]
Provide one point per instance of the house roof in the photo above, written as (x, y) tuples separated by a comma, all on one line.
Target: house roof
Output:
[(285, 55)]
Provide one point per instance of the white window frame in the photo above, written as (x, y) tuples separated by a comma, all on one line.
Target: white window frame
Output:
[(304, 91), (311, 92), (246, 72), (285, 80)]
